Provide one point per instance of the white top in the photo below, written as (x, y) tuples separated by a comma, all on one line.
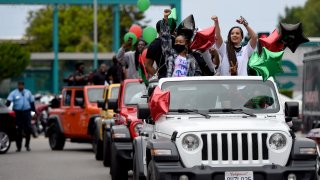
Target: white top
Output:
[(242, 59), (180, 67)]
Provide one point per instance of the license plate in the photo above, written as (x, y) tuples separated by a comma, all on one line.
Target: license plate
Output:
[(238, 175)]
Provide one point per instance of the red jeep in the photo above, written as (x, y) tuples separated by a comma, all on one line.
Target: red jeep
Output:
[(74, 118), (127, 126)]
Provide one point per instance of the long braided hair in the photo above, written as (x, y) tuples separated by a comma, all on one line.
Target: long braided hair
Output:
[(230, 49), (137, 53)]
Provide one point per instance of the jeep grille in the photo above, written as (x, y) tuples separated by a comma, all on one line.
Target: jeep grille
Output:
[(235, 148)]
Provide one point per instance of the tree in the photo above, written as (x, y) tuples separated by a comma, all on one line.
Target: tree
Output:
[(307, 15), (76, 27), (13, 60)]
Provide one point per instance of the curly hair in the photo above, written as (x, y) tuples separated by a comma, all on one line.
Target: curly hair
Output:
[(230, 48)]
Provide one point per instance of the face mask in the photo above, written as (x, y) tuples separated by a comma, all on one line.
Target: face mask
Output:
[(179, 48)]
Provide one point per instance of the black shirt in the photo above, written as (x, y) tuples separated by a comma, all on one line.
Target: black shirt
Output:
[(116, 72), (99, 78), (155, 52)]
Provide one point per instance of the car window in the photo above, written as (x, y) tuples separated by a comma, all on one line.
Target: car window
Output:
[(253, 96), (78, 96), (114, 92), (133, 92), (95, 94), (67, 98)]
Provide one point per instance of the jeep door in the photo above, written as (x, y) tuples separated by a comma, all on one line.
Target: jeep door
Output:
[(77, 116), (66, 107)]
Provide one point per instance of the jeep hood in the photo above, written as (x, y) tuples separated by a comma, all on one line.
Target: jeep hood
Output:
[(169, 125)]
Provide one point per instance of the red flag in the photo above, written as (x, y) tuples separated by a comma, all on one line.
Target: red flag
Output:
[(204, 39), (272, 42), (159, 103)]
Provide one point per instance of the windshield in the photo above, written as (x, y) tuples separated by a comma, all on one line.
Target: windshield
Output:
[(133, 93), (114, 92), (214, 96), (95, 94)]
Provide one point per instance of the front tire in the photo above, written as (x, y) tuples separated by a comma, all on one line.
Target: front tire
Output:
[(106, 149), (56, 139), (119, 171), (151, 171), (136, 175), (5, 142), (97, 148)]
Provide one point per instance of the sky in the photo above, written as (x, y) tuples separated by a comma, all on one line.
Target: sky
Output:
[(262, 15)]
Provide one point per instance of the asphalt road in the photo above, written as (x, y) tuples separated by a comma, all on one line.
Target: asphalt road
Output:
[(75, 162)]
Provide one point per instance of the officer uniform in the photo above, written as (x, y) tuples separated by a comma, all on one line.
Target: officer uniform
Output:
[(23, 103)]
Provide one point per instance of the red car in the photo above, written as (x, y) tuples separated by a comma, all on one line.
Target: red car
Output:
[(127, 126), (7, 128)]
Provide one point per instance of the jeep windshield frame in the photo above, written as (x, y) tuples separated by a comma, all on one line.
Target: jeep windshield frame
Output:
[(210, 96)]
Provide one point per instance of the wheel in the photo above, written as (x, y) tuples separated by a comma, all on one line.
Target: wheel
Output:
[(56, 139), (97, 144), (5, 142), (98, 152), (136, 176), (151, 171), (106, 149), (119, 171)]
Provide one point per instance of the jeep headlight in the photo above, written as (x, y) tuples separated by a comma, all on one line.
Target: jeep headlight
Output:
[(277, 141), (190, 142)]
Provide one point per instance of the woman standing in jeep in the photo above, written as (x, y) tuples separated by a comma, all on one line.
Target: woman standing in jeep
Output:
[(235, 57)]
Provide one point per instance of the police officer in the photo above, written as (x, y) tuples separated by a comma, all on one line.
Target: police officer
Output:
[(23, 103)]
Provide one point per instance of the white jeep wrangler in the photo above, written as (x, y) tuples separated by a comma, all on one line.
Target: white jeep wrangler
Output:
[(223, 128)]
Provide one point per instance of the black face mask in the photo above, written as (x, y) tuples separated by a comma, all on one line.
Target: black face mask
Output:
[(179, 48)]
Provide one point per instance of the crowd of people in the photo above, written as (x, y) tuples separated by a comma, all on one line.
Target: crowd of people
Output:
[(169, 55)]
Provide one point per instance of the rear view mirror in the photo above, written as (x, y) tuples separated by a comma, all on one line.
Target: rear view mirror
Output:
[(291, 109), (113, 104), (143, 111), (101, 104)]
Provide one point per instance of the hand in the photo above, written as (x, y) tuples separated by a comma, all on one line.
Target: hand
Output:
[(166, 13), (127, 44), (213, 51), (215, 19), (242, 20), (233, 69)]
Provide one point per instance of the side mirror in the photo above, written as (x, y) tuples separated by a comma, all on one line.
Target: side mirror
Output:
[(143, 111), (152, 85), (55, 103), (79, 102), (291, 109), (113, 104), (101, 104)]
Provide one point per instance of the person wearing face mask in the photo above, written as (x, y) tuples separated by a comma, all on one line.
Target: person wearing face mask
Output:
[(181, 63), (178, 61), (130, 59), (234, 56)]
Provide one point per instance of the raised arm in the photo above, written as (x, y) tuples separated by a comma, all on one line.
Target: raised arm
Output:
[(253, 36), (219, 39)]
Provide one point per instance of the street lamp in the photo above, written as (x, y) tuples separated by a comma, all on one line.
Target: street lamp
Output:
[(95, 35)]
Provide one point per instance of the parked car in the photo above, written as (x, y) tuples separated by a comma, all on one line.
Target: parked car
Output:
[(103, 122), (74, 118), (220, 127), (127, 126), (7, 127)]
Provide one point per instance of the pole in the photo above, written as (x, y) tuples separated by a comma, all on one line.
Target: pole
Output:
[(55, 68), (116, 27), (95, 35)]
